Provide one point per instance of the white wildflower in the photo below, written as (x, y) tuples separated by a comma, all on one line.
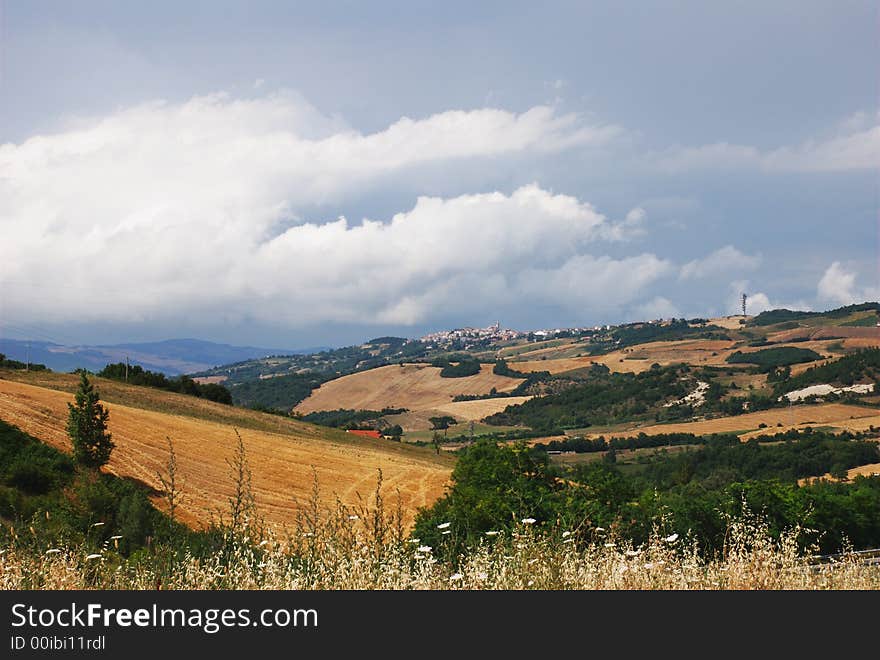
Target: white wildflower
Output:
[(424, 548), (672, 538), (455, 577), (354, 517), (609, 545), (491, 532), (52, 551), (632, 553), (93, 556), (528, 521), (446, 532), (600, 529), (566, 534), (443, 525)]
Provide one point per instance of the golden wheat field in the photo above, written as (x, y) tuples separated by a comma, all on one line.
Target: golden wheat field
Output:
[(413, 386), (282, 461)]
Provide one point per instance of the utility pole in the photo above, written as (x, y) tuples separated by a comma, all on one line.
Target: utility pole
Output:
[(27, 364), (126, 368)]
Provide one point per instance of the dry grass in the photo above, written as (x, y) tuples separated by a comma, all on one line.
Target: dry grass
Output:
[(352, 551), (637, 359), (730, 322), (413, 386), (476, 410), (868, 334), (833, 414), (281, 461)]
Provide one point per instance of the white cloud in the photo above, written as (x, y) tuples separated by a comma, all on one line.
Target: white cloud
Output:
[(838, 286), (657, 308), (722, 260), (195, 208), (856, 146)]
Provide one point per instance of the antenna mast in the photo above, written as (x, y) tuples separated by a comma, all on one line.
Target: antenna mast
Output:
[(744, 303)]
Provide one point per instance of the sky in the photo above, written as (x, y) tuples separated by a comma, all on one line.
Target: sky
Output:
[(317, 174)]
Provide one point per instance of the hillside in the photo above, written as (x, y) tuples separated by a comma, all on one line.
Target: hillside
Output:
[(412, 386), (282, 452)]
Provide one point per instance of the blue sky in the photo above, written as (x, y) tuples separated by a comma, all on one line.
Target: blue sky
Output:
[(182, 171)]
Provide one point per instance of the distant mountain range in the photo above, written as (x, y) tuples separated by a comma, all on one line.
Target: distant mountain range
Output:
[(171, 356)]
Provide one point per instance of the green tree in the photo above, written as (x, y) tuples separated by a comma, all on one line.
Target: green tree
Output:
[(87, 426)]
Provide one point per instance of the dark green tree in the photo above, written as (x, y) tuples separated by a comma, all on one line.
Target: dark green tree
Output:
[(87, 426)]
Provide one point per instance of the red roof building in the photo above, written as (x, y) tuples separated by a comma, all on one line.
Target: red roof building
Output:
[(366, 434)]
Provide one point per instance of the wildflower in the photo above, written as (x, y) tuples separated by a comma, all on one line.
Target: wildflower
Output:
[(446, 532), (530, 583), (424, 548), (263, 542), (116, 537), (568, 541), (443, 525), (482, 576), (632, 553), (354, 517), (93, 556), (566, 534), (600, 529), (649, 565), (455, 577), (97, 524), (308, 534), (532, 561), (672, 538), (491, 532), (528, 521), (415, 540), (609, 545), (52, 551)]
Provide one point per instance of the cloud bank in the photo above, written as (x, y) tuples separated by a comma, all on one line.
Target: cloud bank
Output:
[(194, 209)]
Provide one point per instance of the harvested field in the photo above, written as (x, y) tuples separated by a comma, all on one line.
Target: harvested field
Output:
[(871, 470), (856, 424), (639, 358), (209, 380), (831, 414), (730, 322), (829, 332), (413, 386), (282, 462), (475, 410)]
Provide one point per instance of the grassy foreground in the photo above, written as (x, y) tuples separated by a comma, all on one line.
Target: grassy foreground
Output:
[(367, 550)]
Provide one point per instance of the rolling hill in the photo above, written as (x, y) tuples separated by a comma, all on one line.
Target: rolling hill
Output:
[(413, 386), (282, 452)]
